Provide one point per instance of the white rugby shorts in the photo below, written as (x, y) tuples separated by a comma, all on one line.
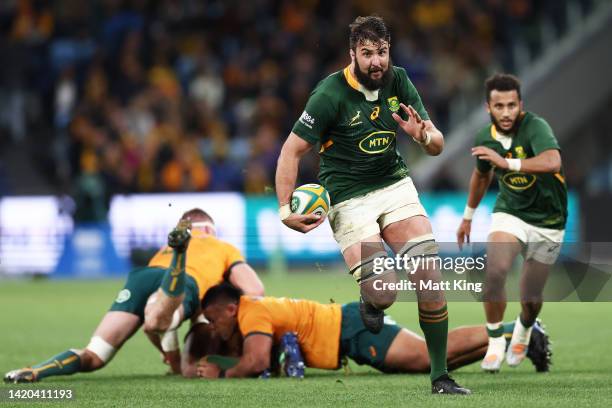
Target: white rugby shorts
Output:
[(358, 218), (541, 244)]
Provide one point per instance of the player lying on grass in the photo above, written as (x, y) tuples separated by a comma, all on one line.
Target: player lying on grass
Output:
[(327, 333), (158, 297)]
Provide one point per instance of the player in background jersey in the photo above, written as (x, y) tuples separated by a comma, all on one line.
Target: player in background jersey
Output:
[(529, 216)]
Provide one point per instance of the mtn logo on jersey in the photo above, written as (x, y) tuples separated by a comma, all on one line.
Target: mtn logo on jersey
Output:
[(519, 181), (377, 142), (307, 120)]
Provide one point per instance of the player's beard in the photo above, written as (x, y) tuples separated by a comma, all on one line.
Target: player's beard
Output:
[(370, 83), (512, 130)]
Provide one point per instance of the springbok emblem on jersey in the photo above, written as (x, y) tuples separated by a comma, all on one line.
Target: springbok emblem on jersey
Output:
[(355, 120)]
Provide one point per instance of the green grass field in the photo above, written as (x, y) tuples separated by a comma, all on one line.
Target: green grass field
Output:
[(41, 318)]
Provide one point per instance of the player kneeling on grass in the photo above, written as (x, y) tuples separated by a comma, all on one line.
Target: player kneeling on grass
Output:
[(127, 314), (210, 261), (327, 333), (158, 297)]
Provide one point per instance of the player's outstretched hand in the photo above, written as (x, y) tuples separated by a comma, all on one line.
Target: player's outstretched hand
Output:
[(414, 126), (463, 233), (303, 223)]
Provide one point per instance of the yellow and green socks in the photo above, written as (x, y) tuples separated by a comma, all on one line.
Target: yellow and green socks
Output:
[(65, 363), (173, 282)]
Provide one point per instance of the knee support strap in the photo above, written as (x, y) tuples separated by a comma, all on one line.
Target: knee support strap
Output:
[(375, 265), (101, 348), (423, 246)]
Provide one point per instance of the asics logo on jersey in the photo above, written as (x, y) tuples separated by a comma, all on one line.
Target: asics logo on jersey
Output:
[(375, 113), (307, 120), (355, 120)]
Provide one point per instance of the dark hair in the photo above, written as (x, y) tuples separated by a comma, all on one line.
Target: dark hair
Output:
[(196, 214), (224, 292), (369, 28), (502, 82)]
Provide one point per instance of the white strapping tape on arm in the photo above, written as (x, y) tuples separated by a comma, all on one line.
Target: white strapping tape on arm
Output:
[(284, 211), (176, 320), (468, 213), (514, 164)]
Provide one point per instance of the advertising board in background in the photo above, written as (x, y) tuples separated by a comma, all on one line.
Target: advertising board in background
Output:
[(36, 232)]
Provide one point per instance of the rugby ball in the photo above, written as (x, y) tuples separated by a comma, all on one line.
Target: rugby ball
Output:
[(310, 199)]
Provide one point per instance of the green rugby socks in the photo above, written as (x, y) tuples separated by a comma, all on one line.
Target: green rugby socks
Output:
[(434, 324), (173, 282), (495, 329), (65, 363)]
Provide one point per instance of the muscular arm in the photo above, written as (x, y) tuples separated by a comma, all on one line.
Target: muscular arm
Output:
[(163, 314), (172, 358), (287, 167), (255, 357), (286, 175), (549, 161), (245, 278), (479, 183), (188, 360)]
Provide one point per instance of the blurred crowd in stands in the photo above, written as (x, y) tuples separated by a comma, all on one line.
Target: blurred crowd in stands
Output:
[(198, 95)]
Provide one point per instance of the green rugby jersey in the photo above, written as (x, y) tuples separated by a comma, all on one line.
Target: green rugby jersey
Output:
[(356, 132), (537, 199)]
